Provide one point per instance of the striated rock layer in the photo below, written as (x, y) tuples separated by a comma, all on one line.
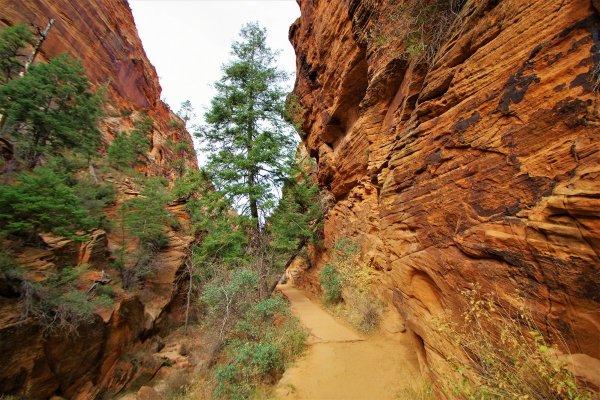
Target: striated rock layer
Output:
[(112, 352), (103, 35), (483, 167)]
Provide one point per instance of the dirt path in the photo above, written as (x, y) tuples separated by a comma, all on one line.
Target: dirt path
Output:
[(342, 364)]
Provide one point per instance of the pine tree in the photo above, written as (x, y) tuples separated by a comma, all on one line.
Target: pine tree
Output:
[(128, 150), (298, 219), (12, 58), (250, 144), (42, 201), (186, 113), (51, 109)]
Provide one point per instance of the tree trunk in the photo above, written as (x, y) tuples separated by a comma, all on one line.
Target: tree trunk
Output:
[(253, 202), (42, 37)]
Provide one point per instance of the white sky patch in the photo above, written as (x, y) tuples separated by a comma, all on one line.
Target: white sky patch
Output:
[(189, 40)]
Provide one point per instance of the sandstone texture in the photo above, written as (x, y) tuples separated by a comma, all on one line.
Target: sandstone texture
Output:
[(115, 351), (482, 167), (103, 35)]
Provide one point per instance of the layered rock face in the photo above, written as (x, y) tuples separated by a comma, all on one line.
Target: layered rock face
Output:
[(100, 357), (103, 35), (481, 167)]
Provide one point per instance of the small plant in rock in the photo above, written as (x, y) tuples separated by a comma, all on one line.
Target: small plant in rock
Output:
[(175, 124), (505, 355), (420, 27), (129, 150), (331, 283), (58, 305)]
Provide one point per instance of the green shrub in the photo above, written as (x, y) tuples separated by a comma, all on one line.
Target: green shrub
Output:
[(144, 218), (41, 201), (12, 40), (7, 263), (175, 124), (106, 291), (259, 351), (347, 278), (57, 304), (95, 196), (331, 283), (51, 109), (229, 385), (229, 298), (129, 150)]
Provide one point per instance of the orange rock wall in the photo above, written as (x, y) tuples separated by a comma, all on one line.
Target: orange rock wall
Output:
[(482, 168), (103, 35)]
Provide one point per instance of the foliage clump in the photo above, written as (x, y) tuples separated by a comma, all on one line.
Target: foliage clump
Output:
[(345, 281), (42, 201), (331, 284), (58, 305), (145, 219), (51, 109), (12, 40), (249, 144), (258, 351), (421, 27), (128, 150), (298, 218)]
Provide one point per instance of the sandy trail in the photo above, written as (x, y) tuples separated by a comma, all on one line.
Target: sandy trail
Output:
[(341, 364)]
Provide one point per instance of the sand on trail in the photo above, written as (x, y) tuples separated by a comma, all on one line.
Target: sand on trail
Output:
[(341, 364)]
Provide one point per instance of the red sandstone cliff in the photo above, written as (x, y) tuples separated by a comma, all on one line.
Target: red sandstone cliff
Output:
[(483, 167), (103, 35)]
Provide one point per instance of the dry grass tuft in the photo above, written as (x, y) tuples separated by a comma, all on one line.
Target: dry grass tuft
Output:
[(360, 306), (505, 355), (421, 27)]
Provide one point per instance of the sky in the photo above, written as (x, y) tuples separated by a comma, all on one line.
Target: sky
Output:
[(189, 40)]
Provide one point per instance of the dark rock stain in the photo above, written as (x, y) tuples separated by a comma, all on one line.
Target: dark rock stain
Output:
[(517, 85), (308, 71), (511, 258), (434, 158), (573, 111), (584, 81), (560, 87), (463, 124)]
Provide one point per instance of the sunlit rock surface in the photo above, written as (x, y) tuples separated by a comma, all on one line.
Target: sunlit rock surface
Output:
[(483, 168)]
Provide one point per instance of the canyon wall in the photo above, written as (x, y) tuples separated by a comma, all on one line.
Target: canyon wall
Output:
[(480, 167), (116, 349), (103, 35)]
